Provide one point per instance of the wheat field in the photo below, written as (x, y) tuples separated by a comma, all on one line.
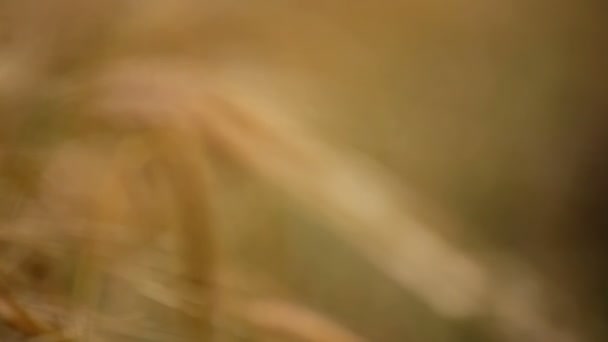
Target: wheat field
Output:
[(323, 171)]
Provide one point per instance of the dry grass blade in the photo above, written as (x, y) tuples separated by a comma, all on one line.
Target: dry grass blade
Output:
[(360, 199), (188, 174)]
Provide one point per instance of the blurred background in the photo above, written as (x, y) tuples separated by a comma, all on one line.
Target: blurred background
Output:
[(303, 170)]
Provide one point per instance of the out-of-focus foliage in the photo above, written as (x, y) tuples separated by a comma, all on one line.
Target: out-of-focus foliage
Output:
[(302, 170)]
